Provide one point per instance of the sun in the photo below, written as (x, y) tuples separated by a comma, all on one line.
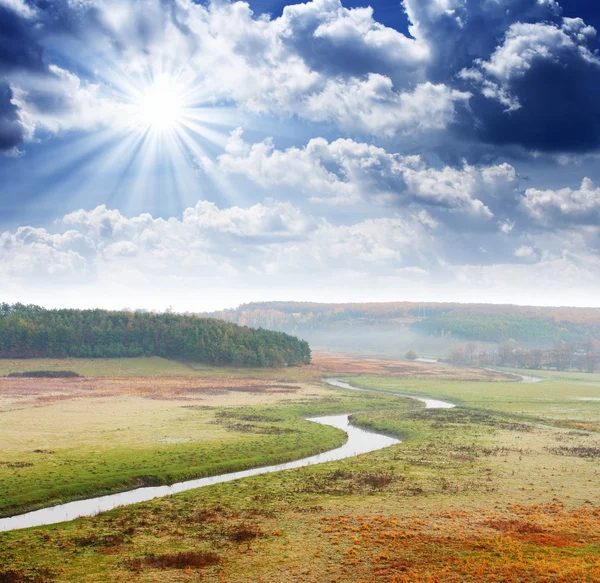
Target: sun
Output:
[(161, 105)]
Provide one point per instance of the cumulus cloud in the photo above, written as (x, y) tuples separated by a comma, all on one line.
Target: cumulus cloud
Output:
[(274, 245), (538, 88), (274, 238), (347, 172), (566, 206), (490, 70), (319, 61)]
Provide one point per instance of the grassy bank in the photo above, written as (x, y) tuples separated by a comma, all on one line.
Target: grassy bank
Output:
[(147, 367), (477, 493), (569, 398), (456, 502), (63, 444)]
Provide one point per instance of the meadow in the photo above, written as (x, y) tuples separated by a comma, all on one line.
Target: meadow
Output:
[(565, 398), (502, 488)]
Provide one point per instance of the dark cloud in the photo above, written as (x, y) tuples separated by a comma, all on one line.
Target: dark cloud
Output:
[(551, 103), (470, 29), (18, 47), (11, 130), (560, 109)]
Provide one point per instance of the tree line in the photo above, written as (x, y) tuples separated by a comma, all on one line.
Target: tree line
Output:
[(478, 322), (29, 331), (498, 329), (562, 356)]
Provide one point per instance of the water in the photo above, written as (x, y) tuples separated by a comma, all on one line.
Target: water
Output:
[(429, 403), (524, 378), (359, 441)]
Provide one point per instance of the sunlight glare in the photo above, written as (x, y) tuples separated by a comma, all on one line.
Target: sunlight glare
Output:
[(161, 106)]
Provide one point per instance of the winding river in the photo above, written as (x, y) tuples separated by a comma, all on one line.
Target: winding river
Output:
[(359, 441), (524, 378)]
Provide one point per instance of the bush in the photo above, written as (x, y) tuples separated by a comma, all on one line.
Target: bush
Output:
[(46, 374)]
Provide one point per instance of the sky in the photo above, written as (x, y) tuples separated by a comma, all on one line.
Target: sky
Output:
[(171, 153)]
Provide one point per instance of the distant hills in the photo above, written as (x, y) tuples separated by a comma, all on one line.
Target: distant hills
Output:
[(431, 328)]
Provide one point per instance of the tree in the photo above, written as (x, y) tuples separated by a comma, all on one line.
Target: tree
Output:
[(30, 331), (562, 355), (411, 355), (591, 356)]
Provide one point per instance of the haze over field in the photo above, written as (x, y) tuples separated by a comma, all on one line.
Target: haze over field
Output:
[(203, 155)]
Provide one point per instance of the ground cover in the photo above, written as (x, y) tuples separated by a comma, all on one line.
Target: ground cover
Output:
[(477, 493), (470, 496), (572, 399), (65, 439)]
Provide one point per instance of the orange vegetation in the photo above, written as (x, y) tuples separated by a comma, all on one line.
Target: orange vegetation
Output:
[(521, 544)]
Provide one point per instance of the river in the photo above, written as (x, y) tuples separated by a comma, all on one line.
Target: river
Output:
[(359, 441)]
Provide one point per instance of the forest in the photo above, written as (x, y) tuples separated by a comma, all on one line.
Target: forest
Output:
[(492, 328), (529, 325), (29, 331)]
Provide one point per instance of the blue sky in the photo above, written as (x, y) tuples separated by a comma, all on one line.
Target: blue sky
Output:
[(167, 152)]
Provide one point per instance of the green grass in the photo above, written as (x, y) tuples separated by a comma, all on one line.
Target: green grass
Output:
[(560, 397), (462, 463), (75, 450), (424, 504), (144, 367)]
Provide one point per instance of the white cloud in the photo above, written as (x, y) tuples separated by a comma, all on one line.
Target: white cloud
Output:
[(208, 243), (200, 259), (20, 7), (318, 61), (76, 105), (565, 206), (374, 107), (347, 172)]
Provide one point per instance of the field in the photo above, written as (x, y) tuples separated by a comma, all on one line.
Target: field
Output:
[(503, 488), (563, 398)]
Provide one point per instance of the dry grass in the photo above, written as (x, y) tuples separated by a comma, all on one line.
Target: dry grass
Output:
[(183, 560), (219, 391), (331, 363)]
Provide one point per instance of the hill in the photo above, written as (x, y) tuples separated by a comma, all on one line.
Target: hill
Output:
[(432, 328), (33, 332)]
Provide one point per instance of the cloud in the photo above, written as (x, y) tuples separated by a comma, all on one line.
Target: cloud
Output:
[(274, 248), (347, 172), (318, 61), (209, 243), (486, 71), (20, 7), (372, 106), (564, 207), (12, 130), (539, 88)]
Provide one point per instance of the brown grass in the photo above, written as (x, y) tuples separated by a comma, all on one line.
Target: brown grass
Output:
[(30, 391), (184, 560), (341, 364)]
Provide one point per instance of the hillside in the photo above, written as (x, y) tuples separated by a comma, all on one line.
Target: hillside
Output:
[(33, 332), (433, 328)]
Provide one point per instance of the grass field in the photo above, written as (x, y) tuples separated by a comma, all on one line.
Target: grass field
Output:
[(478, 493), (145, 367), (65, 439), (569, 398)]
